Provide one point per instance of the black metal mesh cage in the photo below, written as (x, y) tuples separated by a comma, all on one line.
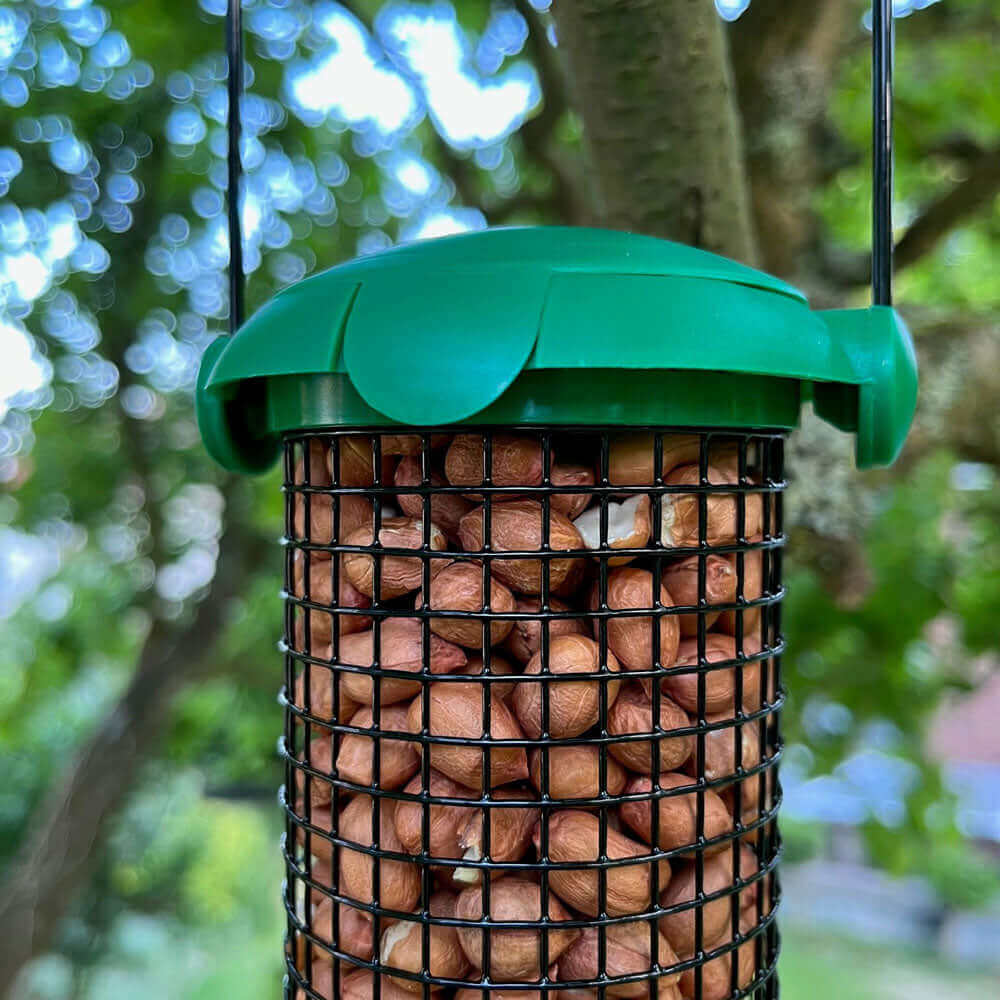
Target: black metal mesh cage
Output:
[(568, 645)]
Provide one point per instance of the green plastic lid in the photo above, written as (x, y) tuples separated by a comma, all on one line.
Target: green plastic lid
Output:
[(551, 326)]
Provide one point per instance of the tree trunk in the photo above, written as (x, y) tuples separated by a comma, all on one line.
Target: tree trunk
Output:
[(655, 91), (785, 54)]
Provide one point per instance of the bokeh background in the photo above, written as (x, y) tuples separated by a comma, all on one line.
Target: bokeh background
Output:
[(138, 582)]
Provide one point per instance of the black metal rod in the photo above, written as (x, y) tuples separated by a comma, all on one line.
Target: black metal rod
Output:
[(882, 36), (234, 83)]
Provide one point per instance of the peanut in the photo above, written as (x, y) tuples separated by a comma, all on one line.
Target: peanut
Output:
[(402, 947), (321, 593), (517, 527), (459, 587), (515, 461), (400, 575), (716, 914), (627, 953), (398, 759), (574, 706), (510, 834), (574, 837), (720, 683), (444, 822), (456, 710), (753, 588), (515, 954), (632, 713), (680, 512), (571, 504), (399, 881), (401, 648), (678, 813), (630, 637), (574, 772), (681, 579), (525, 638), (447, 509)]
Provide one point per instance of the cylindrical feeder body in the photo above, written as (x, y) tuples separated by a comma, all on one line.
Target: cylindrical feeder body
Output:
[(533, 580)]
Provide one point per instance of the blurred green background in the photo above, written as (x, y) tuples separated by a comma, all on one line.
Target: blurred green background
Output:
[(138, 583)]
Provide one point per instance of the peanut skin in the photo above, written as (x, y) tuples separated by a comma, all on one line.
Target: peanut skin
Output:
[(678, 813), (573, 836), (515, 954)]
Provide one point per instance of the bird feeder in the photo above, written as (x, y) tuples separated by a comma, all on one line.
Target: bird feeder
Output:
[(533, 483), (533, 540)]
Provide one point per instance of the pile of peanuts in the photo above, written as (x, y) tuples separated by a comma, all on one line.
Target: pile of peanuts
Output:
[(569, 684)]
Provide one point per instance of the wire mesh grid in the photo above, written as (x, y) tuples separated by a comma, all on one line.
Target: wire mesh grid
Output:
[(568, 643)]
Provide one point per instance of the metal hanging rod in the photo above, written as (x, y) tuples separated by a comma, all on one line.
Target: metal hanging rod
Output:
[(234, 55), (882, 39)]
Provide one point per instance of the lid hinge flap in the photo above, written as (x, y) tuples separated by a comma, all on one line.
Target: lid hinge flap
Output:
[(880, 349)]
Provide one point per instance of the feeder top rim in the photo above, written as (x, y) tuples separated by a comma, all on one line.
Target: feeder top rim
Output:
[(556, 249)]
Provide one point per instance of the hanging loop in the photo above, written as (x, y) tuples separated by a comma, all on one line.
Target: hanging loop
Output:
[(882, 39), (234, 56)]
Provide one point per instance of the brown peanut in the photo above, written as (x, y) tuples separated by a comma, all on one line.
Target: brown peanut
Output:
[(402, 947), (720, 684), (574, 772), (574, 706), (447, 509), (681, 580), (716, 914), (573, 836), (632, 713), (456, 710), (517, 527), (525, 638), (399, 575), (401, 648), (630, 637), (459, 587), (627, 953), (398, 759), (515, 954), (678, 813), (399, 881)]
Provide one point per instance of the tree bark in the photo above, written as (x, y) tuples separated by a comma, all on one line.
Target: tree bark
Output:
[(785, 54), (654, 88), (961, 351), (66, 833)]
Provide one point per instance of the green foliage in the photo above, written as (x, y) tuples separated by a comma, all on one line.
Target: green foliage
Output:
[(963, 876), (873, 658), (947, 91), (801, 841), (118, 497)]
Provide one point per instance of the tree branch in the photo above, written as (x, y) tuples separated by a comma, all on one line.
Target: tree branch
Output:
[(979, 187), (570, 200), (959, 353), (61, 846), (551, 72)]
